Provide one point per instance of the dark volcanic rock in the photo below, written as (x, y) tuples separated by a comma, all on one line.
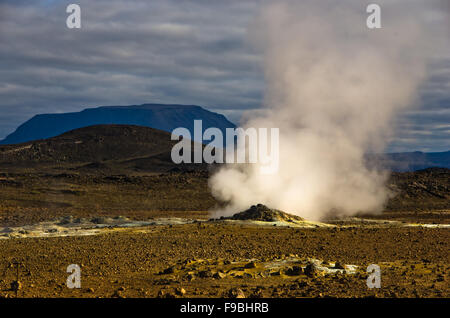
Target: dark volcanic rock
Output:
[(112, 149), (261, 212)]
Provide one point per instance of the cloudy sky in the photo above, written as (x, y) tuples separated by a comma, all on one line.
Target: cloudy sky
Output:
[(164, 51)]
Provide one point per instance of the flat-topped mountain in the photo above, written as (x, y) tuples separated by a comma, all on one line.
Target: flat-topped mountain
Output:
[(158, 116)]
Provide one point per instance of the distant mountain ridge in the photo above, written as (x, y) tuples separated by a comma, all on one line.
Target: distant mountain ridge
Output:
[(158, 116), (168, 117), (410, 161)]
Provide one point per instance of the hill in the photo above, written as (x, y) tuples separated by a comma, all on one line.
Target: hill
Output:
[(158, 116), (97, 148), (427, 189)]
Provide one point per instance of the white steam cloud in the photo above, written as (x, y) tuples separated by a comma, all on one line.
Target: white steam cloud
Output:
[(333, 88)]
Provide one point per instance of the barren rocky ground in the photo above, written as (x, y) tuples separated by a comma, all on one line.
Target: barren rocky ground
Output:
[(52, 180), (184, 260)]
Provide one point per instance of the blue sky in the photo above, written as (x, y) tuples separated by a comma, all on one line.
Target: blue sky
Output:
[(165, 51)]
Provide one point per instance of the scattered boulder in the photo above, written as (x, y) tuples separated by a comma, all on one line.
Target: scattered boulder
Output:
[(294, 271), (66, 220), (312, 270), (236, 293), (101, 220), (338, 265), (169, 270), (250, 265), (180, 291), (205, 274), (219, 275), (165, 293), (16, 285)]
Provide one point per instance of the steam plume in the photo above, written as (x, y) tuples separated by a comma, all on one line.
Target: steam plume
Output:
[(333, 88)]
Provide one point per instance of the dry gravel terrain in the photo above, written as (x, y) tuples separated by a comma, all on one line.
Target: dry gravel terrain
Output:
[(87, 174), (151, 262)]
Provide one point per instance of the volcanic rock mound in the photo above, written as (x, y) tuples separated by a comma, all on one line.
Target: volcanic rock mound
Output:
[(261, 212)]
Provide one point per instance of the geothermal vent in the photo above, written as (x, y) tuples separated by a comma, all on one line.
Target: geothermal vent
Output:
[(261, 212)]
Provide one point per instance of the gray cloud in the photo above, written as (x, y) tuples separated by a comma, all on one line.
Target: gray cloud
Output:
[(427, 127), (175, 51)]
